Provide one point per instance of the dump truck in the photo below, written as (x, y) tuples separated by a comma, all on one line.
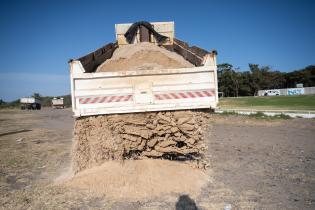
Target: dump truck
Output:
[(57, 103), (164, 97), (98, 93), (30, 103)]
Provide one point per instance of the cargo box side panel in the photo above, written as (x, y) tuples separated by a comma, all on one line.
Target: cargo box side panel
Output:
[(141, 93)]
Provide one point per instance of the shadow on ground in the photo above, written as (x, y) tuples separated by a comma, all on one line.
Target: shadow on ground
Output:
[(185, 203)]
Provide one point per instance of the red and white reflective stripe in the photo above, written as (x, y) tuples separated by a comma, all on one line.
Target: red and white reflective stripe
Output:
[(184, 95), (105, 99)]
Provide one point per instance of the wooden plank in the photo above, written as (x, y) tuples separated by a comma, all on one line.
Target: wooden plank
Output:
[(193, 54), (121, 40), (144, 34), (91, 61), (122, 28), (199, 51), (169, 47), (158, 26), (170, 35), (87, 59), (181, 43), (188, 55), (164, 27)]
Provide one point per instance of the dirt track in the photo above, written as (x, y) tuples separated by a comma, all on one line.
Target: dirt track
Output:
[(254, 164)]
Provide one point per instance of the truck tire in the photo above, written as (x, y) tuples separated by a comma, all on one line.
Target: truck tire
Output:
[(38, 106), (33, 106)]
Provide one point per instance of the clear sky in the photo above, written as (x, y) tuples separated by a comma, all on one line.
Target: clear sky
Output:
[(37, 38)]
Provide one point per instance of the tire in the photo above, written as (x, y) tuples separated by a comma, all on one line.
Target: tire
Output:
[(38, 106)]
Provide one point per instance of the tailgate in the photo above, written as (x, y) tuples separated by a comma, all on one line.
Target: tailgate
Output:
[(142, 90)]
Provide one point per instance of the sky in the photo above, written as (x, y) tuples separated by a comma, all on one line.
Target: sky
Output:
[(37, 38)]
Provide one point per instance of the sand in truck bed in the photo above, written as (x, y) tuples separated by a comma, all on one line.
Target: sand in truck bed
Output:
[(143, 56)]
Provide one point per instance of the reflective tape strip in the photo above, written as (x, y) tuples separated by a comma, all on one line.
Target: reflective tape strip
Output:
[(105, 99), (184, 95)]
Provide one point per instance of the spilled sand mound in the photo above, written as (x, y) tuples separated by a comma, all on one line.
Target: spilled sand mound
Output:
[(140, 179), (175, 135), (143, 56)]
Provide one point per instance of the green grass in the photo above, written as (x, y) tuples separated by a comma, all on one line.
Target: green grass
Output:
[(259, 115), (302, 102)]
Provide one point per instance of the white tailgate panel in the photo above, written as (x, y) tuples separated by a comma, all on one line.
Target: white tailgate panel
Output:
[(141, 93)]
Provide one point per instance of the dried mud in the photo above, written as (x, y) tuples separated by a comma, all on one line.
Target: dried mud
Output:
[(176, 135)]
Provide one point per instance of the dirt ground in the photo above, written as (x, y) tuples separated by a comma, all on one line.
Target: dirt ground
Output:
[(254, 164)]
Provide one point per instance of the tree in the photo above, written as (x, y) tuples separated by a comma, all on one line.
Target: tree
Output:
[(234, 82), (228, 80), (36, 95), (2, 102), (305, 76)]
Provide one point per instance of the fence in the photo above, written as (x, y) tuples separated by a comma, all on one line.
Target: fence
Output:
[(290, 91)]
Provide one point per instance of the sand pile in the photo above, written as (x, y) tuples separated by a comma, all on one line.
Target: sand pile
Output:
[(143, 56), (140, 179), (176, 135)]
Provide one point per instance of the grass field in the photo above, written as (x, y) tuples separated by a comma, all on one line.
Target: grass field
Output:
[(302, 102)]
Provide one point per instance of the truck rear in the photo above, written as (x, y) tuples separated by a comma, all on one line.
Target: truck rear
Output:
[(57, 103), (30, 103), (97, 93), (162, 96)]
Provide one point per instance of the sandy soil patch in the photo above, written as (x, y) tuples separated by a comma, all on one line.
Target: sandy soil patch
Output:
[(140, 179)]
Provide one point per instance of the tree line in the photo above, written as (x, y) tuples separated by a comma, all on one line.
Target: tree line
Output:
[(233, 82)]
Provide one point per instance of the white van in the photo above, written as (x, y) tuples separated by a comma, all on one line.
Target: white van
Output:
[(272, 93)]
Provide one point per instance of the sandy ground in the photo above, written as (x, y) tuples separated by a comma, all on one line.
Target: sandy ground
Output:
[(254, 164)]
